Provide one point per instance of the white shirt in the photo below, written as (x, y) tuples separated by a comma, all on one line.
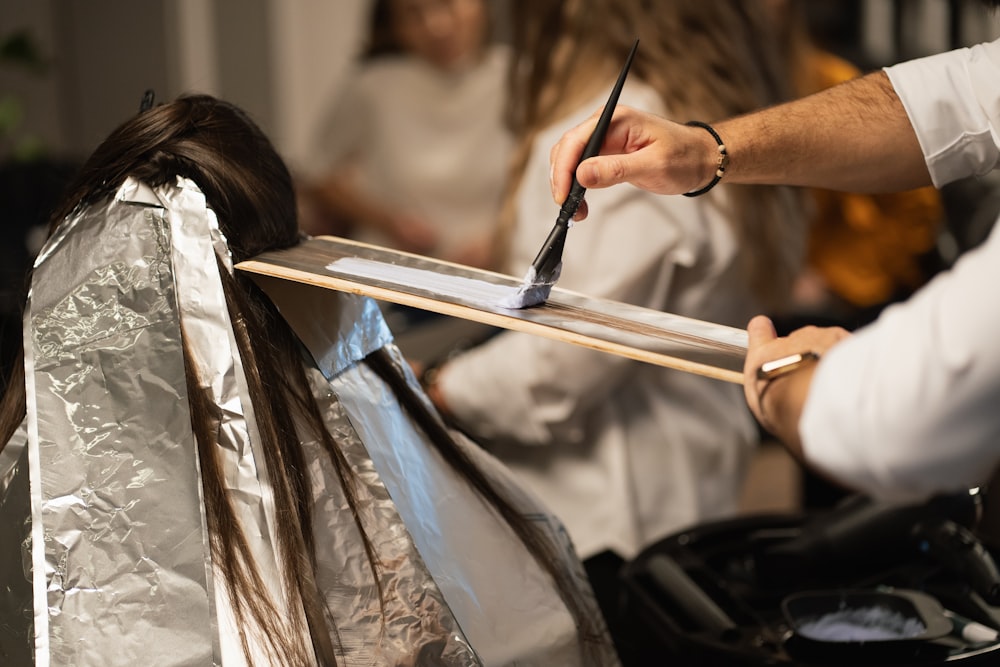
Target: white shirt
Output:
[(425, 141), (910, 406), (623, 452)]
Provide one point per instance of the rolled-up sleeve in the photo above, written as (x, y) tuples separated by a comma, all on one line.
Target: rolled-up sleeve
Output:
[(953, 102), (910, 406)]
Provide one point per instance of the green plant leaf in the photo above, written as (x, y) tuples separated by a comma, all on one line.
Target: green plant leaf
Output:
[(11, 114), (21, 48)]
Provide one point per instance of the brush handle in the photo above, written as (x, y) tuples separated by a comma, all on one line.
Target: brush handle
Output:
[(593, 147), (550, 256)]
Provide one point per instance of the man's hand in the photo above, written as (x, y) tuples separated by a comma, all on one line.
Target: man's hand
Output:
[(777, 402), (645, 150)]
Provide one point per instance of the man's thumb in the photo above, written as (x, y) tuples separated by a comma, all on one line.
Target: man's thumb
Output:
[(602, 171), (760, 330)]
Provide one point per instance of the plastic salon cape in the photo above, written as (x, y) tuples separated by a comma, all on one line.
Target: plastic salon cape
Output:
[(104, 552)]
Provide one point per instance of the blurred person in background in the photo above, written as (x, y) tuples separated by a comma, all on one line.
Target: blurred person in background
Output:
[(626, 453), (414, 152)]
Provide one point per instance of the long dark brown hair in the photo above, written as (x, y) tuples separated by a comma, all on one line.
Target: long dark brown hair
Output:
[(249, 188), (707, 60)]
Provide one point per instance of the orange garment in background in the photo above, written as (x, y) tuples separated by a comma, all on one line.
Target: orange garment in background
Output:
[(866, 248)]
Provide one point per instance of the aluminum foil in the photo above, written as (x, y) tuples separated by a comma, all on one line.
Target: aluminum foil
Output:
[(507, 607), (420, 628), (456, 552), (340, 330), (16, 609), (121, 567), (104, 554), (196, 243)]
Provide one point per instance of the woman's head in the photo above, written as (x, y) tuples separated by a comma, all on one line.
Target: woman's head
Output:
[(706, 59), (445, 33), (217, 146)]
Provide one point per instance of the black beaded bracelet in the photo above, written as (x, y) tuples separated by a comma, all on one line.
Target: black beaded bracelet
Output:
[(723, 158)]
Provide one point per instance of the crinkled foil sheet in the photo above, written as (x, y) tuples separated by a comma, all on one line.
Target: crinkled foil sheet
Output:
[(16, 607), (120, 562), (506, 606), (104, 548), (339, 330), (117, 569)]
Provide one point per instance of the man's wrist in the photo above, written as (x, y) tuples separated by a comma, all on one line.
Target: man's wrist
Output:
[(781, 396), (719, 162)]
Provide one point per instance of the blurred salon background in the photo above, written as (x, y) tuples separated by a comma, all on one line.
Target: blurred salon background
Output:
[(76, 68), (72, 70)]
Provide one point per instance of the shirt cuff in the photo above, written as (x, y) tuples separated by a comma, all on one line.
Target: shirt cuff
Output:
[(951, 102)]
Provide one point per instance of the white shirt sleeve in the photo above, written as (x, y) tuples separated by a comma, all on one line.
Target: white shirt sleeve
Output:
[(953, 101), (910, 406)]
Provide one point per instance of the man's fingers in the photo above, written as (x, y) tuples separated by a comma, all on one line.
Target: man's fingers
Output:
[(559, 176), (565, 155)]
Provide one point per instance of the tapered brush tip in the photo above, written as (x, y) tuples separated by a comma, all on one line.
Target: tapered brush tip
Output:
[(534, 290)]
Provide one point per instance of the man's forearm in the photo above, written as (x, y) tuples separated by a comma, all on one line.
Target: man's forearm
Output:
[(854, 137)]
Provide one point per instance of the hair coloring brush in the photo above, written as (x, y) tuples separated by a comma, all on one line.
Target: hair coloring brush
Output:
[(544, 271)]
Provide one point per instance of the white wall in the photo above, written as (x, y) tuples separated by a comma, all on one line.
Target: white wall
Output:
[(313, 43), (192, 62)]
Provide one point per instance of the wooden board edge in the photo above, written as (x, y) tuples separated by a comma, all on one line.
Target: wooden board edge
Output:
[(485, 317)]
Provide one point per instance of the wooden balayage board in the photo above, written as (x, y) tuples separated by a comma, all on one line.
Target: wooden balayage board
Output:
[(646, 335)]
